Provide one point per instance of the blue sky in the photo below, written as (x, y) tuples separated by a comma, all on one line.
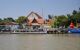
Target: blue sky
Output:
[(16, 8)]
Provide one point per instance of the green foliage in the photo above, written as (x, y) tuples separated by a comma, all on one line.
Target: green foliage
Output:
[(0, 20), (50, 16), (21, 19), (60, 21), (74, 12), (9, 19), (63, 20), (77, 16)]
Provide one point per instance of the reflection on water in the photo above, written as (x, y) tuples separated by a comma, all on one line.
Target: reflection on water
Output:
[(39, 42)]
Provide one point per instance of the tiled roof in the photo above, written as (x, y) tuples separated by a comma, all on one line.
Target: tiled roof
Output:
[(40, 20), (35, 14), (8, 23)]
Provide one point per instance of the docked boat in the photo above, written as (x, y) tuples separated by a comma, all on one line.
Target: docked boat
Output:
[(74, 30)]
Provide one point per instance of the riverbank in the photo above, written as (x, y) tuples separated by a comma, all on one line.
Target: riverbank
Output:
[(35, 33), (23, 32)]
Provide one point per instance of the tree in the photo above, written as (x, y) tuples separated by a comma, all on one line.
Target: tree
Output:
[(21, 19), (9, 19), (60, 21), (77, 16), (74, 12), (0, 20), (79, 9), (69, 16), (49, 16), (74, 17)]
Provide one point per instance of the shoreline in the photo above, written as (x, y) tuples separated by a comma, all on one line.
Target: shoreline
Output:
[(23, 32), (45, 32)]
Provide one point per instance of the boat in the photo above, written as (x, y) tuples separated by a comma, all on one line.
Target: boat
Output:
[(74, 30)]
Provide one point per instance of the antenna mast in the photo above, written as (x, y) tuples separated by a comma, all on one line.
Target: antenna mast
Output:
[(42, 12)]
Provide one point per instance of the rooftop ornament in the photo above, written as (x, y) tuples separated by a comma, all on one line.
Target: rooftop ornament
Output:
[(71, 25)]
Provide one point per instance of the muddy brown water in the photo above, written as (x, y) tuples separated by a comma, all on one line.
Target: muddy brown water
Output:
[(39, 41)]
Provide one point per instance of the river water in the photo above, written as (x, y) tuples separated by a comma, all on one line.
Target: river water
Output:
[(39, 41)]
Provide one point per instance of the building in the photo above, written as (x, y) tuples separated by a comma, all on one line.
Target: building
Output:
[(9, 26), (48, 23), (34, 21)]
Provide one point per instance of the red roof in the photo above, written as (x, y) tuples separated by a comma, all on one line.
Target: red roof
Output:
[(40, 20)]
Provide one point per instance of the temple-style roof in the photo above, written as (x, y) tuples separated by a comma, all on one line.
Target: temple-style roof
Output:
[(35, 18), (34, 14)]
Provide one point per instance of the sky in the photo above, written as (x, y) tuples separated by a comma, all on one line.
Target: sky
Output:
[(16, 8)]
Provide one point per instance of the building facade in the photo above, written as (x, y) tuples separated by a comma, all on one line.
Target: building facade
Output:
[(34, 21)]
